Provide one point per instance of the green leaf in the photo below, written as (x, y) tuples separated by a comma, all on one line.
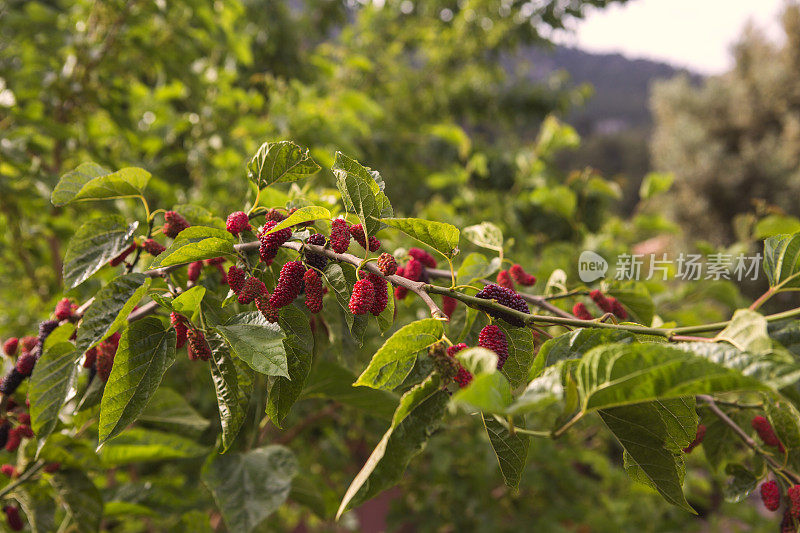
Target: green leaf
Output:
[(169, 410), (330, 380), (720, 442), (256, 342), (137, 445), (623, 374), (111, 308), (782, 261), (488, 393), (511, 450), (772, 225), (574, 344), (81, 498), (440, 236), (636, 299), (478, 360), (520, 354), (394, 360), (654, 184), (92, 182), (361, 192), (196, 243), (39, 507), (248, 487), (186, 303), (299, 345), (485, 235), (62, 333), (747, 331), (649, 434), (281, 161), (542, 392), (231, 397), (740, 483), (146, 350), (94, 244), (52, 378), (784, 419), (304, 214), (474, 267), (416, 418)]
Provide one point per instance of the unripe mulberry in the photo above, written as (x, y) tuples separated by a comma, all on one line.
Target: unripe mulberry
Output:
[(236, 278), (617, 309), (14, 440), (269, 312), (314, 259), (90, 357), (448, 306), (381, 298), (253, 288), (29, 343), (194, 271), (698, 439), (387, 264), (423, 257), (123, 255), (766, 433), (363, 297), (271, 242), (290, 282), (601, 301), (153, 247), (63, 309), (13, 518), (10, 346), (340, 235), (8, 470), (238, 222), (357, 232), (520, 276), (198, 347), (174, 223), (464, 376), (11, 382), (504, 280), (771, 495), (580, 311), (181, 329), (313, 287), (25, 363), (507, 298), (492, 338)]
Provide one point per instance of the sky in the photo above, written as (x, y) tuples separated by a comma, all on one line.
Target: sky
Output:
[(696, 34)]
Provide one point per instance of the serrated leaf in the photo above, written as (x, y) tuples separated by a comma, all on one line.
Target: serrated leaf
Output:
[(81, 498), (111, 308), (304, 214), (782, 261), (485, 235), (92, 182), (416, 418), (169, 410), (511, 450), (187, 302), (520, 354), (394, 360), (574, 344), (361, 192), (138, 445), (281, 161), (94, 244), (542, 392), (475, 267), (231, 400), (146, 350), (330, 380), (740, 483), (299, 345), (51, 380), (256, 342), (488, 393), (248, 487), (440, 236), (636, 299), (747, 331), (196, 243), (62, 333)]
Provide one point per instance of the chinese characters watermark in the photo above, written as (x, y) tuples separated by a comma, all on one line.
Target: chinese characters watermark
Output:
[(685, 267)]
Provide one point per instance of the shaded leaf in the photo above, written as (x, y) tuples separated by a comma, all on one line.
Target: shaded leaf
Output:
[(511, 450), (92, 182), (196, 243), (81, 498), (231, 401), (256, 342), (299, 345), (94, 244), (51, 380), (520, 353), (137, 445), (111, 308), (170, 410), (280, 162), (330, 380)]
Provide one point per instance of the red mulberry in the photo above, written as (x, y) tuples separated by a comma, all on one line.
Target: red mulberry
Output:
[(52, 467), (194, 271), (236, 278), (253, 288), (10, 346), (771, 495), (520, 276), (271, 242), (788, 524), (123, 255), (492, 338), (617, 308), (29, 343), (313, 287), (152, 247), (14, 440), (63, 309), (464, 376), (601, 301), (269, 312), (238, 222), (698, 439), (25, 431), (290, 282), (90, 357), (423, 257), (363, 297), (766, 433), (357, 232), (174, 223), (24, 419), (381, 298), (181, 329), (13, 518), (198, 347), (504, 280), (8, 470), (794, 500), (25, 363), (400, 292), (580, 311), (507, 298), (340, 236), (106, 351), (448, 305), (413, 270), (313, 259), (387, 264)]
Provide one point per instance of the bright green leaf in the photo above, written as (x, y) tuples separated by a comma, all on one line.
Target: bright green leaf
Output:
[(440, 236), (257, 342)]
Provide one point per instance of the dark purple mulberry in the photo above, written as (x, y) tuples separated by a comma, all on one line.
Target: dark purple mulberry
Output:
[(507, 298), (313, 259)]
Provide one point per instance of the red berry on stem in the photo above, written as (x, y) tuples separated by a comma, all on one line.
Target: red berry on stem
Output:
[(520, 276), (181, 329), (313, 259), (340, 235), (413, 270), (601, 301), (794, 500), (580, 311), (63, 309), (13, 518), (90, 357), (236, 278), (449, 305), (766, 433), (617, 309), (313, 286), (387, 264), (363, 297), (504, 280), (271, 242), (464, 376), (10, 346), (29, 343), (238, 222), (290, 282), (771, 495), (8, 470), (507, 298), (174, 223), (423, 257), (381, 299), (198, 347), (492, 338), (152, 247), (25, 363), (194, 271), (269, 312), (253, 288)]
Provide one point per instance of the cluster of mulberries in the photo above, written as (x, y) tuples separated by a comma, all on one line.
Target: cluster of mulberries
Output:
[(318, 261), (698, 439), (771, 495), (313, 289), (581, 311), (11, 436), (252, 289), (269, 312), (519, 275), (357, 232), (290, 283), (275, 215), (423, 257), (492, 338), (197, 345), (507, 298), (31, 350), (340, 235), (238, 222), (766, 433), (106, 351), (174, 223), (504, 280), (236, 278), (463, 377), (123, 255), (387, 264), (65, 309), (362, 298), (153, 247), (271, 242), (608, 304), (179, 322)]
